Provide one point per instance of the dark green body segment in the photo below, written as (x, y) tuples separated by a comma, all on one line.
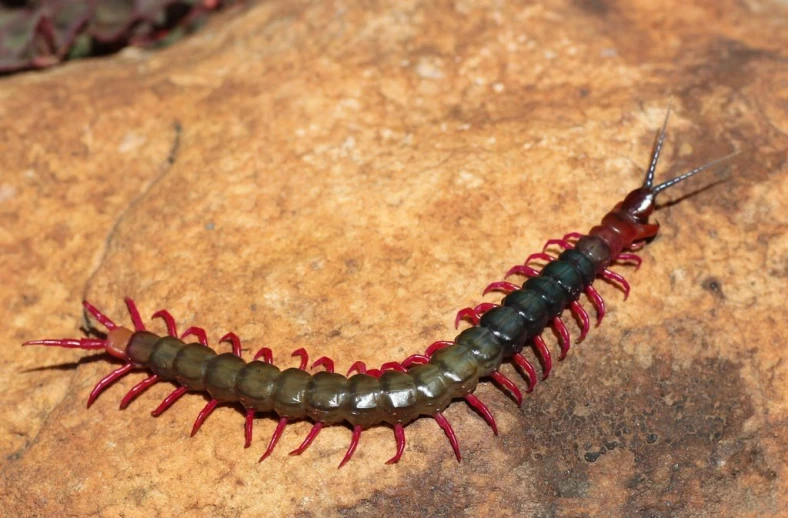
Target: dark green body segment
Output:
[(190, 364), (255, 385), (162, 357), (220, 374), (140, 346), (394, 397)]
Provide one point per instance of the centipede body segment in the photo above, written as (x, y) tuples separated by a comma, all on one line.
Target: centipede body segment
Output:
[(397, 392)]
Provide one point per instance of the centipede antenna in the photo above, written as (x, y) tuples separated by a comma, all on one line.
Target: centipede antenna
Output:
[(670, 183), (657, 149)]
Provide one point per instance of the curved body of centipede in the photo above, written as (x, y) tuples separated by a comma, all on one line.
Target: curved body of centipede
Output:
[(397, 392)]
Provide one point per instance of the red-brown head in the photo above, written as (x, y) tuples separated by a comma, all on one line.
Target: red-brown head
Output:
[(630, 218)]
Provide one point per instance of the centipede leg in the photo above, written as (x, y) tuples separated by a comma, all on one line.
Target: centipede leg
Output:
[(560, 242), (544, 355), (538, 256), (508, 385), (204, 413), (634, 258), (169, 320), (477, 403), (135, 314), (308, 440), (521, 269), (564, 341), (503, 286), (248, 427), (199, 332), (436, 346), (274, 438), (582, 315), (449, 431), (520, 360), (108, 380), (353, 444), (304, 357), (168, 401), (598, 302), (99, 316), (399, 436), (612, 277), (138, 389)]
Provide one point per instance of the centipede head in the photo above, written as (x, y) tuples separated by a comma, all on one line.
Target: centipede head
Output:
[(114, 344), (640, 203)]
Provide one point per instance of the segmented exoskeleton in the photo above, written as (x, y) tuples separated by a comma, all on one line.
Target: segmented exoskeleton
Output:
[(397, 392)]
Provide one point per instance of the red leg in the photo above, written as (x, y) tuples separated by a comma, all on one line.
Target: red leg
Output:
[(520, 360), (544, 354), (266, 354), (509, 385), (477, 403), (582, 315), (108, 380), (135, 314), (632, 258), (436, 346), (248, 427), (198, 332), (308, 440), (304, 357), (506, 287), (138, 389), (99, 316), (358, 367), (560, 242), (449, 431), (539, 256), (326, 362), (598, 302), (415, 358), (394, 366), (565, 342), (70, 343), (634, 247), (521, 269), (614, 277), (466, 314), (234, 341), (399, 435), (174, 396), (572, 235), (204, 413), (274, 438), (353, 443), (172, 329)]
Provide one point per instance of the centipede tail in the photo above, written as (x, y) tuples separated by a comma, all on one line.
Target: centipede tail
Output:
[(397, 393)]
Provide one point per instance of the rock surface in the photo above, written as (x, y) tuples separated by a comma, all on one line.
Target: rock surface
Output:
[(344, 177)]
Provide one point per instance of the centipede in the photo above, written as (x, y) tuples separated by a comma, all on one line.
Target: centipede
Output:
[(398, 392)]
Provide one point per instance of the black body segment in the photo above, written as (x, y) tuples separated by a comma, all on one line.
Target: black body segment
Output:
[(568, 277), (585, 267), (551, 292), (508, 327), (532, 307)]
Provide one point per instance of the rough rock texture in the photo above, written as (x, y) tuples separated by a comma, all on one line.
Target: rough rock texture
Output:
[(346, 176)]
